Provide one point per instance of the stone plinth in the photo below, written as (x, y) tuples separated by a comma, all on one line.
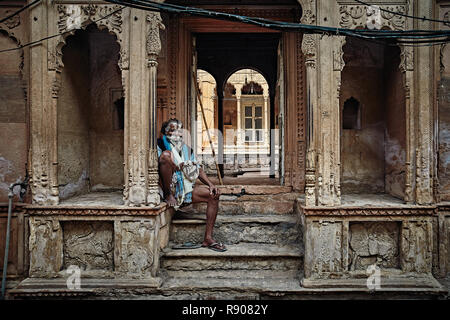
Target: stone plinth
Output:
[(104, 242), (345, 245)]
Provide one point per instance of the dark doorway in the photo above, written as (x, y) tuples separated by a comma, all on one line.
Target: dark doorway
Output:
[(222, 54)]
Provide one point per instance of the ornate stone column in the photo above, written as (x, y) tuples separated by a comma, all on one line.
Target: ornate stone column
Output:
[(153, 49), (43, 95), (424, 109), (141, 174), (309, 48)]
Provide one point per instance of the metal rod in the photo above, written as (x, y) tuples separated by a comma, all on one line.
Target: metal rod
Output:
[(8, 231)]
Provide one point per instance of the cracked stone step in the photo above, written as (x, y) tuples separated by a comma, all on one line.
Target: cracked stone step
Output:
[(270, 229), (242, 256)]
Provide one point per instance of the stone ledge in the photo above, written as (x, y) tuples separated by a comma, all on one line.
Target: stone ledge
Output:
[(40, 287), (368, 211), (94, 210), (414, 283)]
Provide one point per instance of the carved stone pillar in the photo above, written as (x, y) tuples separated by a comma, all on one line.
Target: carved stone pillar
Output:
[(309, 48), (44, 91), (137, 112), (424, 109), (153, 50)]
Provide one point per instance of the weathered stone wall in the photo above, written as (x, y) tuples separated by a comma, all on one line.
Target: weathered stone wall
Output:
[(73, 111), (374, 243), (106, 142), (362, 151), (13, 128), (395, 135), (444, 127)]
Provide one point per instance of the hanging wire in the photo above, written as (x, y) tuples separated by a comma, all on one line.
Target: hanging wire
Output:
[(416, 38)]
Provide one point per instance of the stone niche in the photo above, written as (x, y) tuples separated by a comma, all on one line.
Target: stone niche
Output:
[(343, 245)]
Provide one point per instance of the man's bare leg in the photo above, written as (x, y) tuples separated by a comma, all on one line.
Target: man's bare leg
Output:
[(202, 194), (166, 170)]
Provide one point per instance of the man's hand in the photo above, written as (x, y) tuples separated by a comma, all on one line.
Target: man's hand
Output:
[(214, 191), (180, 167)]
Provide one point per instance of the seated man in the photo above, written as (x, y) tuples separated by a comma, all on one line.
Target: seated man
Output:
[(178, 170)]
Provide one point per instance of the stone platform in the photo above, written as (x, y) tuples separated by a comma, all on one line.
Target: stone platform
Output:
[(343, 243)]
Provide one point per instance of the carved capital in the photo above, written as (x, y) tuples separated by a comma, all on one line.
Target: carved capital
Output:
[(153, 40), (309, 48)]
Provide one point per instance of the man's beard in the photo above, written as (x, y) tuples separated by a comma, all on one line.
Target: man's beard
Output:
[(176, 141)]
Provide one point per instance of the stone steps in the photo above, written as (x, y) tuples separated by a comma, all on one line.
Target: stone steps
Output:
[(242, 256), (270, 229)]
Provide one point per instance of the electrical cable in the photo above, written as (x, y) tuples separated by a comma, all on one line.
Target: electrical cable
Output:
[(416, 38), (19, 11)]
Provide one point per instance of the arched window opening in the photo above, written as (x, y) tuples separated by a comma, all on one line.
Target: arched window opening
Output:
[(351, 115)]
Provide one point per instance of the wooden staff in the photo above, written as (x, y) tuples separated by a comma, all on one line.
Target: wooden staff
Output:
[(206, 125)]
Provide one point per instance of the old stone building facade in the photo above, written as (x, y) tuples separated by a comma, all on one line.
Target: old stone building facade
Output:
[(362, 150)]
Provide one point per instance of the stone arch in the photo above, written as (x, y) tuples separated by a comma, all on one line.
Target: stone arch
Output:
[(90, 14)]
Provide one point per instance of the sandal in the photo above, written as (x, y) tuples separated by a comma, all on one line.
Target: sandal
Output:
[(186, 245), (216, 246)]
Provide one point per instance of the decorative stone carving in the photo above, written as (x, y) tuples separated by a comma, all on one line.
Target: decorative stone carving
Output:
[(310, 178), (153, 39), (356, 16), (55, 62), (45, 245), (137, 247), (374, 243), (12, 22), (88, 245), (77, 16), (407, 59), (309, 48)]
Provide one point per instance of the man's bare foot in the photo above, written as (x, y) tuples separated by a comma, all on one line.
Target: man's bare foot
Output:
[(171, 200)]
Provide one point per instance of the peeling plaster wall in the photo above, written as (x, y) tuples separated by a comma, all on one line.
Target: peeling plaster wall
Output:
[(106, 161), (362, 151), (374, 243), (13, 131), (73, 109), (444, 127), (395, 143), (373, 157)]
